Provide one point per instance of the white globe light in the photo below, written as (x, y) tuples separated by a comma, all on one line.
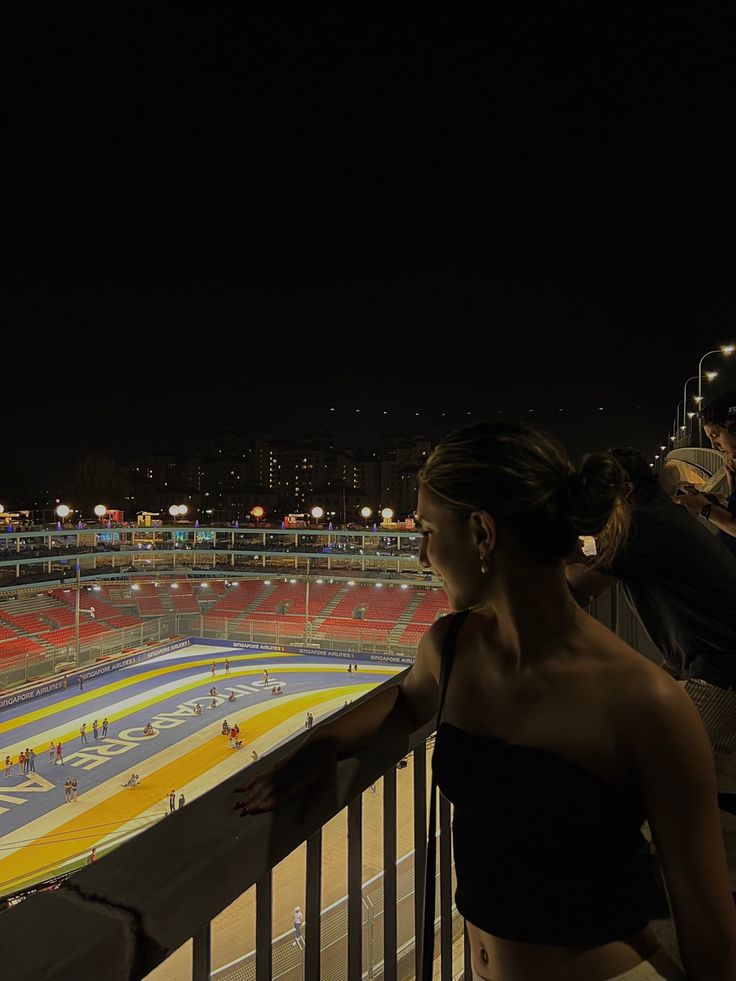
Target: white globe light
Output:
[(63, 511), (100, 510)]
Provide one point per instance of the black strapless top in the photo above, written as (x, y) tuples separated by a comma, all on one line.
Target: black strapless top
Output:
[(544, 849)]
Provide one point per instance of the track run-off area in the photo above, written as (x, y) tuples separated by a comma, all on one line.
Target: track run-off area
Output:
[(43, 834)]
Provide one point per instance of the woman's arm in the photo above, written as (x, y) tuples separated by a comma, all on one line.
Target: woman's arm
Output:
[(674, 760), (395, 710), (400, 709)]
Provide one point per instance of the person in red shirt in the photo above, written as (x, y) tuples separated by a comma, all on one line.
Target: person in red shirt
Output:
[(59, 753)]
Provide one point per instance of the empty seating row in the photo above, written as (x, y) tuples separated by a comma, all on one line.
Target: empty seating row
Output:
[(29, 623), (150, 606), (22, 647)]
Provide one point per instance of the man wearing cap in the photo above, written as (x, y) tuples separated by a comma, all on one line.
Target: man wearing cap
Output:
[(719, 424)]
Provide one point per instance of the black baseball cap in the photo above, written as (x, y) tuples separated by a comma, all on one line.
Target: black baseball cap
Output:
[(719, 410)]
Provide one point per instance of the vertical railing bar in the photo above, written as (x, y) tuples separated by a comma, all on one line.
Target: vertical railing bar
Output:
[(201, 948), (389, 876), (445, 889), (420, 845), (312, 937), (355, 889), (264, 926)]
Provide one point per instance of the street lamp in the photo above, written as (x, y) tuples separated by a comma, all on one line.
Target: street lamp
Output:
[(100, 511), (63, 511), (724, 349), (684, 399), (317, 513), (387, 514), (679, 426), (710, 375), (365, 514)]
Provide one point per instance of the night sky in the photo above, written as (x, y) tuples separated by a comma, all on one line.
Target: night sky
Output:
[(218, 224)]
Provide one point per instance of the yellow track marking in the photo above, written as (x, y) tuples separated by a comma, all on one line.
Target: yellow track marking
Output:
[(51, 850)]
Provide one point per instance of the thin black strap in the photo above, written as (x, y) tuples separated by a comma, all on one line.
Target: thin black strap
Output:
[(448, 654)]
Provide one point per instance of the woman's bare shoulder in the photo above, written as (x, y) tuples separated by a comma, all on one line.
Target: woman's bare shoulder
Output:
[(432, 642)]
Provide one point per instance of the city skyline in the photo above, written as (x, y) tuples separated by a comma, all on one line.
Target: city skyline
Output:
[(162, 420), (169, 290)]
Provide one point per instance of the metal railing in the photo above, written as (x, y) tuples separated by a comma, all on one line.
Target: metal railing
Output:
[(709, 462), (25, 668), (296, 633), (119, 919), (289, 959)]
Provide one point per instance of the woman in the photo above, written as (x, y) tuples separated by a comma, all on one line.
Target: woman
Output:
[(555, 740)]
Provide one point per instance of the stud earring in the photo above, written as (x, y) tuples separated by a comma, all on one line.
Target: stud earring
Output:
[(483, 567)]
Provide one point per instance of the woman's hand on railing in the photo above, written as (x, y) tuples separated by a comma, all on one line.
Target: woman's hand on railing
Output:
[(312, 767)]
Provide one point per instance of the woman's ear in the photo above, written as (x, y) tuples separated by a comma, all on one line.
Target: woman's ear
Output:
[(484, 532)]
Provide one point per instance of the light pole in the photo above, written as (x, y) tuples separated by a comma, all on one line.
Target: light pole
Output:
[(365, 514), (176, 510), (678, 425), (684, 402), (726, 350), (307, 633), (317, 513), (710, 375), (76, 614)]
